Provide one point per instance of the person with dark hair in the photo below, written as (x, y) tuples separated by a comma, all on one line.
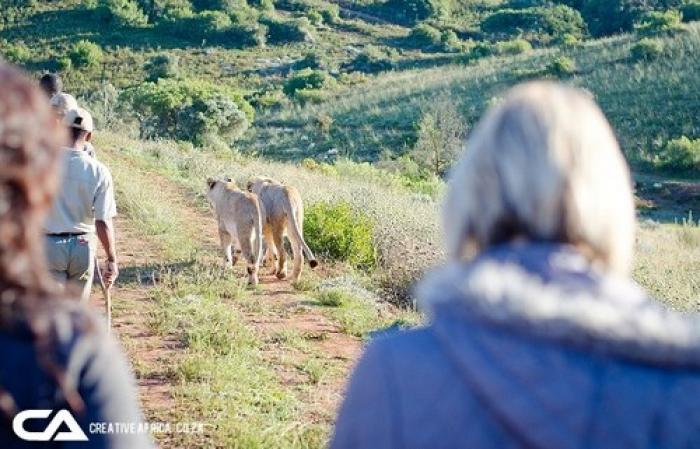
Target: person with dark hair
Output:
[(84, 205), (55, 356), (51, 84), (537, 336)]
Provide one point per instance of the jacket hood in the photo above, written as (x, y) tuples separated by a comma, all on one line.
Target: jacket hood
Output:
[(552, 348), (551, 292)]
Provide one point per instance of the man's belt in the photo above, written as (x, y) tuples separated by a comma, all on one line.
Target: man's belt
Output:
[(66, 234)]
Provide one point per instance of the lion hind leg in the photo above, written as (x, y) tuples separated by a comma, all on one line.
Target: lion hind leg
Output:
[(277, 235), (250, 257)]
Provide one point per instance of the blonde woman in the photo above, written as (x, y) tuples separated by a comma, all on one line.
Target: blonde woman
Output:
[(538, 339)]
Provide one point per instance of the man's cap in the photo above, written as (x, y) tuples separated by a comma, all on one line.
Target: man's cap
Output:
[(79, 118), (63, 103)]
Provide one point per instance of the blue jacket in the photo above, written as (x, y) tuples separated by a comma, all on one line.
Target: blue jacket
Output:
[(529, 347), (91, 362)]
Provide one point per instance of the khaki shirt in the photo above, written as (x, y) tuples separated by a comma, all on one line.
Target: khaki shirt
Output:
[(86, 194)]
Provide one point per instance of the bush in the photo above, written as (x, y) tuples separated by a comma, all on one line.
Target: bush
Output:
[(414, 11), (330, 13), (657, 22), (311, 60), (542, 23), (125, 13), (314, 17), (64, 64), (513, 47), (370, 60), (286, 31), (16, 53), (441, 133), (217, 27), (561, 67), (190, 110), (337, 231), (226, 6), (425, 36), (85, 54), (646, 49), (308, 79), (162, 66), (691, 12), (450, 41), (208, 23), (682, 154)]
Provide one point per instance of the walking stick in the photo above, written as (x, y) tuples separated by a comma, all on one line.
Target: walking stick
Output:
[(106, 292)]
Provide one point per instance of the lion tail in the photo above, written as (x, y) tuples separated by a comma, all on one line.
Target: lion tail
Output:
[(297, 233)]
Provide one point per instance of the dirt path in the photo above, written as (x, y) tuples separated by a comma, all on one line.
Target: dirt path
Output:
[(287, 312)]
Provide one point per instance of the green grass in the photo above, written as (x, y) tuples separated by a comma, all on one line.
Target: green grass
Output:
[(647, 102)]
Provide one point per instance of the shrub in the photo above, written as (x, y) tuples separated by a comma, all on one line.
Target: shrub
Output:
[(311, 60), (450, 41), (337, 231), (513, 47), (646, 49), (64, 64), (441, 133), (543, 23), (370, 60), (264, 5), (605, 17), (85, 54), (189, 110), (125, 13), (307, 79), (164, 65), (253, 35), (425, 36), (315, 17), (15, 53), (682, 154), (414, 11), (658, 22), (210, 22), (286, 31), (219, 5), (168, 10), (561, 66), (330, 13), (691, 12)]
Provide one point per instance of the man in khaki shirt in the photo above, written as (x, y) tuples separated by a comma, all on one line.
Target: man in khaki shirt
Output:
[(84, 206)]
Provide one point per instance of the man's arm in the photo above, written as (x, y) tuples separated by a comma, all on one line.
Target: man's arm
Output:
[(105, 233)]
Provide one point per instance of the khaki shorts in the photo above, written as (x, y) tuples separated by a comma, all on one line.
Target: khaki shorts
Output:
[(71, 260)]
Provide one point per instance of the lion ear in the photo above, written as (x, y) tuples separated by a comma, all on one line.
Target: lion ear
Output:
[(211, 182), (229, 180)]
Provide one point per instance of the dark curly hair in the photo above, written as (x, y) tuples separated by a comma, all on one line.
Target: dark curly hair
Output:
[(30, 142)]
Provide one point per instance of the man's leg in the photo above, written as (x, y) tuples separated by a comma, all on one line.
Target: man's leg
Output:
[(56, 249), (82, 264)]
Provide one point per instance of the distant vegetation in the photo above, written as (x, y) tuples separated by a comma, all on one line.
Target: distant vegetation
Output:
[(361, 79)]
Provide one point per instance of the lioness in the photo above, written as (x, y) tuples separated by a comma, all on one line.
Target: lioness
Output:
[(238, 216), (282, 212)]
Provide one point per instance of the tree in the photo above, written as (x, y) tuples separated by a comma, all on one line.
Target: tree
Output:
[(441, 134)]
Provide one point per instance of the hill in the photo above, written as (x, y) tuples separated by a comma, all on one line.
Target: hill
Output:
[(313, 78)]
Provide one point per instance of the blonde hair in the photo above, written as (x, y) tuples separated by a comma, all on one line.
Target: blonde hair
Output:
[(543, 165)]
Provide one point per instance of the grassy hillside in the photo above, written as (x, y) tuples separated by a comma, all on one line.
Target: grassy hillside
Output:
[(356, 78), (648, 102)]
